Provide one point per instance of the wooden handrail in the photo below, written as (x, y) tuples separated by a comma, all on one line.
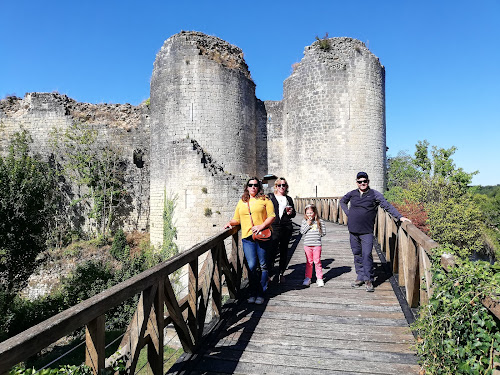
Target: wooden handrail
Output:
[(406, 248), (146, 327)]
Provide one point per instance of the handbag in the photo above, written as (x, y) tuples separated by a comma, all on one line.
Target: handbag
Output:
[(264, 234)]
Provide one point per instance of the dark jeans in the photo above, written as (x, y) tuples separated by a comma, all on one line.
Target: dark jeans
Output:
[(281, 239), (361, 245), (256, 254)]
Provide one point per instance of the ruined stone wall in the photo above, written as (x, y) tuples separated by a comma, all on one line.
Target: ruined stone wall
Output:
[(206, 132), (125, 127), (205, 194), (334, 119), (262, 137), (200, 90), (275, 139)]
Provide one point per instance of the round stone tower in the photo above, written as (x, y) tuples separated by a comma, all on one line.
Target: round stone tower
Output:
[(333, 119), (203, 134)]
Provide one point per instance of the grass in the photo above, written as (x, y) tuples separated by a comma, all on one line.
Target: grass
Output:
[(77, 356), (170, 355)]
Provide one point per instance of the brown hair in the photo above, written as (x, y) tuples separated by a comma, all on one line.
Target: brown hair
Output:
[(316, 216), (260, 193)]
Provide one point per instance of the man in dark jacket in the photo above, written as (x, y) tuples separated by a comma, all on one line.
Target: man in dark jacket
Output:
[(361, 220)]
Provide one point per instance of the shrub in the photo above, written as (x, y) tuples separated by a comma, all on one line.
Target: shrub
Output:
[(26, 210), (456, 333), (120, 249), (324, 43), (415, 212)]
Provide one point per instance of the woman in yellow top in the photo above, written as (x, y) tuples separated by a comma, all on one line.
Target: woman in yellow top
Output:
[(262, 211)]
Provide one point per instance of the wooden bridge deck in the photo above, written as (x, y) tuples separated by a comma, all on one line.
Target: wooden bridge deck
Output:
[(309, 330)]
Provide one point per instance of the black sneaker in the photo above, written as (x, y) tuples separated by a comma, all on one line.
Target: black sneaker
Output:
[(357, 283), (369, 286)]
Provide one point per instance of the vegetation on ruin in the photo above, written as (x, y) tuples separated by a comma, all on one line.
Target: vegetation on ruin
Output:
[(26, 208), (323, 43), (456, 333), (32, 197), (96, 169)]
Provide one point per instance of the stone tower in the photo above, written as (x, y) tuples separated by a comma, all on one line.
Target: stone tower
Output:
[(331, 122), (205, 126)]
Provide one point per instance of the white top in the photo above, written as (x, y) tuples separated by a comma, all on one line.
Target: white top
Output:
[(282, 202)]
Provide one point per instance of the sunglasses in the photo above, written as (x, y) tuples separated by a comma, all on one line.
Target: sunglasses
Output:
[(282, 185), (362, 181), (253, 185)]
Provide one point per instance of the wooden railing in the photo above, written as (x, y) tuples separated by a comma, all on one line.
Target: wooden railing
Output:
[(188, 315), (406, 248)]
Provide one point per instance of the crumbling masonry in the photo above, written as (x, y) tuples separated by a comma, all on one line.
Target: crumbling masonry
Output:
[(205, 132)]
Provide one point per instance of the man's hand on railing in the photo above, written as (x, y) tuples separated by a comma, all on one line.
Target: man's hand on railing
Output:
[(402, 218)]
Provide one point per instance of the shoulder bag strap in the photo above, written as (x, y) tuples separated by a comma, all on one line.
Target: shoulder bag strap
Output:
[(250, 212)]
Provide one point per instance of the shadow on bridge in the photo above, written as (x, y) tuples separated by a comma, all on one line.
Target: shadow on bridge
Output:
[(300, 330)]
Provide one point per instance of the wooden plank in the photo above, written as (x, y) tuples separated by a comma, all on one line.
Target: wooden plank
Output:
[(155, 332), (411, 274), (95, 344), (192, 315), (31, 341), (368, 366), (380, 226), (186, 337), (425, 275), (216, 281), (492, 305), (403, 249), (334, 210)]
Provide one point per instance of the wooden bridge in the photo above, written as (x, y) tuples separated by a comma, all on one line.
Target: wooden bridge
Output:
[(334, 329), (302, 330)]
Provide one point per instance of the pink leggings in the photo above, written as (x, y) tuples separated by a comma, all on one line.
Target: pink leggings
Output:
[(313, 254)]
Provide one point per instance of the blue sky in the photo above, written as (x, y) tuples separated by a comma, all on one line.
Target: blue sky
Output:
[(442, 58)]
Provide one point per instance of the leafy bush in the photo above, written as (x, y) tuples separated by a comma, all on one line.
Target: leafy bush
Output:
[(457, 221), (415, 212), (26, 210), (120, 249), (456, 333)]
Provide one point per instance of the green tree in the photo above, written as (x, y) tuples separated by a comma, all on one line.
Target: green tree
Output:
[(434, 184), (26, 211), (95, 169)]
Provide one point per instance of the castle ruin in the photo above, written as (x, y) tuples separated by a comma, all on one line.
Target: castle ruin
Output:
[(205, 132)]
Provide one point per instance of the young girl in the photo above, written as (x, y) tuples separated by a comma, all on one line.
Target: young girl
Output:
[(313, 228)]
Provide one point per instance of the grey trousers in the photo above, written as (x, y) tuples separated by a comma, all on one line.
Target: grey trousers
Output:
[(361, 245)]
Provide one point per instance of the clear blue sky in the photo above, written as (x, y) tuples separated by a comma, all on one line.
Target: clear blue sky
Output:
[(442, 58)]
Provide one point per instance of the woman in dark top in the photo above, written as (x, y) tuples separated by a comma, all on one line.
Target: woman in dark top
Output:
[(284, 210)]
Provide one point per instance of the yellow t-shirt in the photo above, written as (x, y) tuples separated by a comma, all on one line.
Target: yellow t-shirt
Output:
[(261, 209)]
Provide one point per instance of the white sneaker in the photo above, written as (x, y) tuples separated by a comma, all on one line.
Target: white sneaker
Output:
[(307, 281), (251, 300), (259, 300), (320, 282)]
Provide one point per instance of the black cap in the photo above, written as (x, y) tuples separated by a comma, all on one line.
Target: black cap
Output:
[(361, 175)]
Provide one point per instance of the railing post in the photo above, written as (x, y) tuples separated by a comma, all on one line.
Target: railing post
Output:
[(193, 300), (216, 281), (412, 279), (156, 325), (388, 236), (402, 264), (396, 256), (381, 228), (95, 356), (334, 210), (425, 275)]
